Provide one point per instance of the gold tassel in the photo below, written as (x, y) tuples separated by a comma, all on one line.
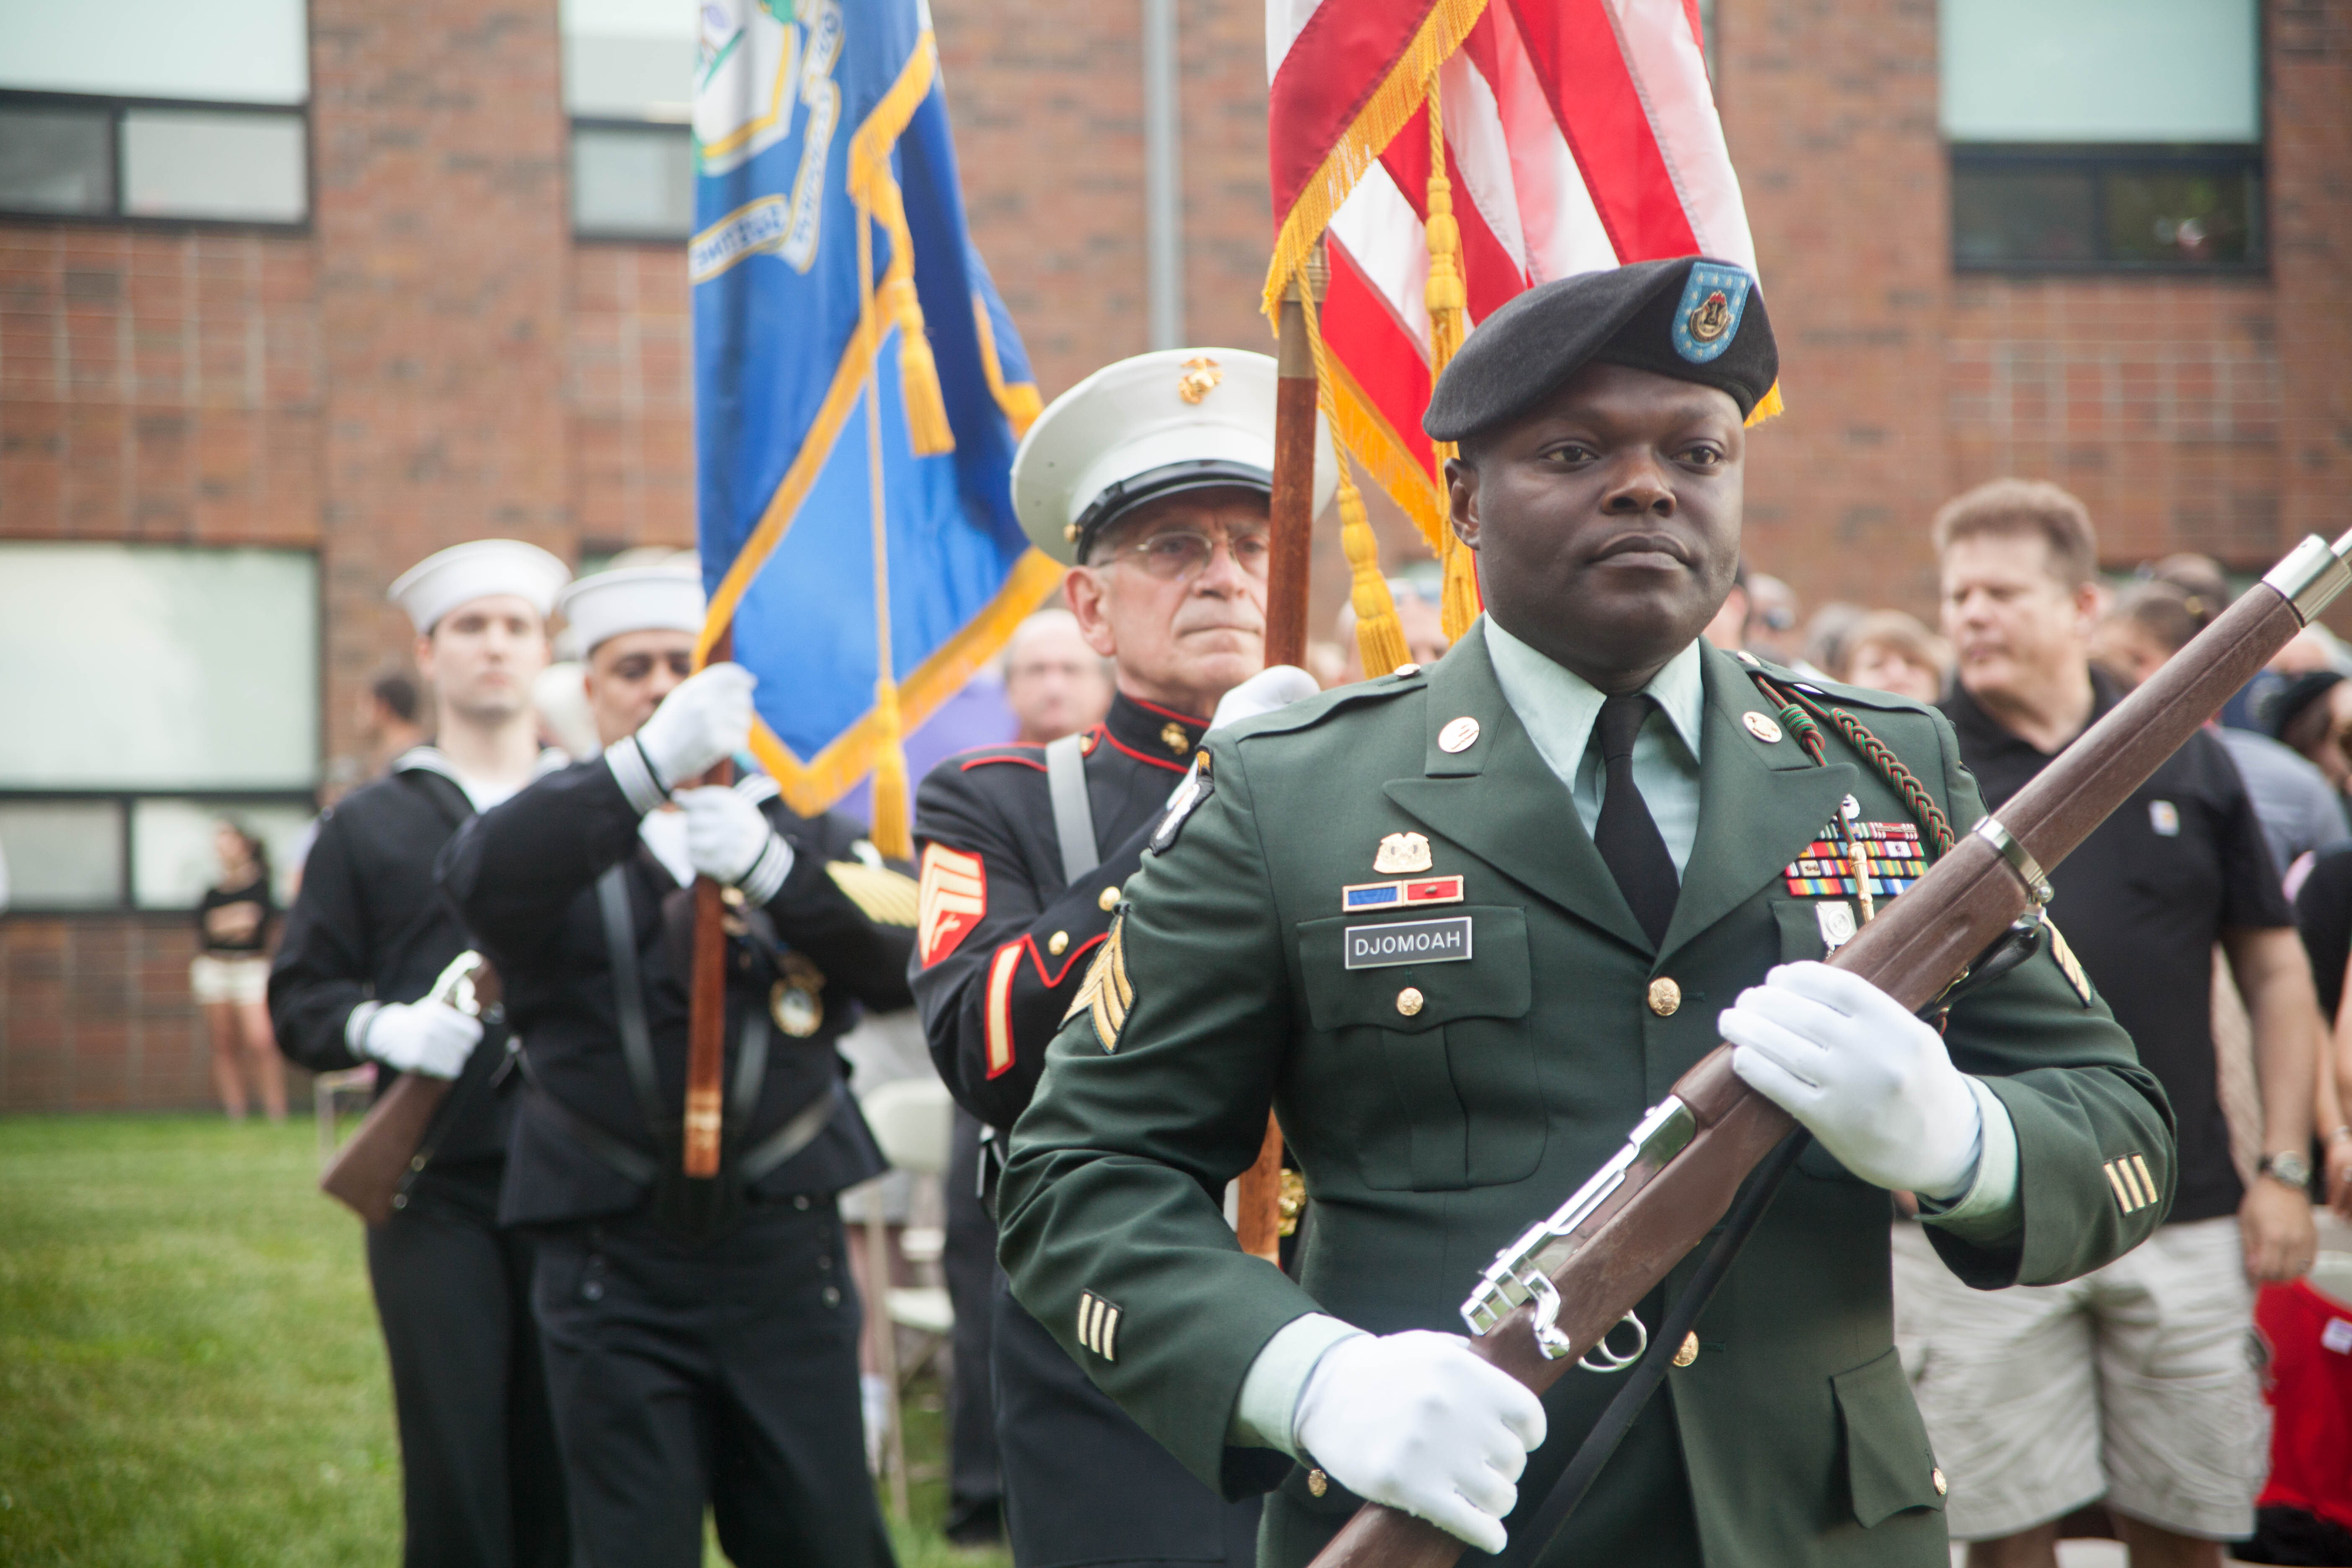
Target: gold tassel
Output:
[(928, 430), (893, 834), (1458, 603), (1768, 405), (1445, 294), (1379, 635)]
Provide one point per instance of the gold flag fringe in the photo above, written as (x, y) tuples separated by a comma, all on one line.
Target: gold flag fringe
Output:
[(1384, 113), (1378, 636)]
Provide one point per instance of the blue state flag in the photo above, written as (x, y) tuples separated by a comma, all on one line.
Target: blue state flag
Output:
[(859, 391)]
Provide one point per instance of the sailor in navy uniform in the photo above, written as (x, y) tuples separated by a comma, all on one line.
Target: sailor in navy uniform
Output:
[(366, 939), (1152, 479), (701, 1336)]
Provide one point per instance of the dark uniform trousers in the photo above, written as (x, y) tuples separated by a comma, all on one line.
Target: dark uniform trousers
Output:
[(975, 1478), (722, 1371), (481, 1487), (704, 1357), (482, 1482), (1083, 1483)]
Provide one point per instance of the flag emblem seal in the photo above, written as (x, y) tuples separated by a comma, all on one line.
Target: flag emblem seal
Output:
[(1707, 319)]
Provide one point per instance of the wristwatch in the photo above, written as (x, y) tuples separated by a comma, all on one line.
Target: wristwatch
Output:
[(2288, 1166)]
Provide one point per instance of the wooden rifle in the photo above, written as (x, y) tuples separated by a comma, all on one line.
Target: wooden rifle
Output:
[(371, 1169), (1550, 1299)]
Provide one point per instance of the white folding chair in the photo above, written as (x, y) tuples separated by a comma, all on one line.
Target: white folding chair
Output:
[(913, 1122)]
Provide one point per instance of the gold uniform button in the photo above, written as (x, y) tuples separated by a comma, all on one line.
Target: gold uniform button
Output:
[(1409, 1001), (1665, 996), (1059, 943), (1936, 1476), (1687, 1352), (1317, 1483), (1109, 900)]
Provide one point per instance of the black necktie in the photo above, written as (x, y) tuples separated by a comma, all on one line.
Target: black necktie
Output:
[(1626, 835)]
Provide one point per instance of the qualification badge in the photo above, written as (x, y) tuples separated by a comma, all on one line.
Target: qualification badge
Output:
[(1401, 852)]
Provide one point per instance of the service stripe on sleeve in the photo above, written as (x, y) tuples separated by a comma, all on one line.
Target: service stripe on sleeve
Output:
[(999, 1010)]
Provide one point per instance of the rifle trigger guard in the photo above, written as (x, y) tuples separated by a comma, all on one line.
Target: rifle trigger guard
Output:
[(1609, 1360)]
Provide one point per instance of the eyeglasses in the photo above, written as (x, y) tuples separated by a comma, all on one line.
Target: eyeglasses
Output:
[(1180, 554)]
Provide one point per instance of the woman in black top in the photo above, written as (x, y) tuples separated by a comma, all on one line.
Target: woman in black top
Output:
[(230, 976)]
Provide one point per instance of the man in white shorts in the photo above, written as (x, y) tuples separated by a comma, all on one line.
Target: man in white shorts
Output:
[(2137, 1383)]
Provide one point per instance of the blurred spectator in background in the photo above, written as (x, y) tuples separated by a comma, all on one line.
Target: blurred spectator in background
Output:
[(1774, 630), (1054, 684), (2204, 586), (1826, 633), (2311, 712), (230, 974), (2313, 650), (2301, 812), (388, 720), (1890, 651), (1416, 594), (2133, 1382)]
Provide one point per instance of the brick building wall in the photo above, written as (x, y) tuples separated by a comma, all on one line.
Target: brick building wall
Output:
[(437, 358)]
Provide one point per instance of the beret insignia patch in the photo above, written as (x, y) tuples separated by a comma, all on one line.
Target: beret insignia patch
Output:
[(1707, 317)]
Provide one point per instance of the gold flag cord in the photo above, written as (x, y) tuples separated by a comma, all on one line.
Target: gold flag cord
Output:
[(1378, 636), (1448, 299)]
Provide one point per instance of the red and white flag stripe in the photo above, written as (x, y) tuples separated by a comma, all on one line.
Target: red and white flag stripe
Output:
[(1579, 135)]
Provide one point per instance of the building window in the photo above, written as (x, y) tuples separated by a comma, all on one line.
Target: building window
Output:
[(2105, 135), (628, 85), (156, 109), (154, 689)]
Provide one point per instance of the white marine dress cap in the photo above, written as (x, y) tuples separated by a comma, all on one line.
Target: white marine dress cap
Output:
[(1157, 424), (480, 569), (666, 598)]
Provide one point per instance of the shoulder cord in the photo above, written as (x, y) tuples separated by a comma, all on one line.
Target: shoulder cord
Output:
[(1803, 719)]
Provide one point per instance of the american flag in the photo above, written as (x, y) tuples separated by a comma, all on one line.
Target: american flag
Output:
[(1577, 135)]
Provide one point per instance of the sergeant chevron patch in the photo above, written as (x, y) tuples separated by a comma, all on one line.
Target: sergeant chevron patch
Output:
[(953, 899), (2068, 963), (1099, 1325), (1106, 992)]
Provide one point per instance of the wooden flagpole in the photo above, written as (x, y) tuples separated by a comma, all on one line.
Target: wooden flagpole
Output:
[(1258, 1223), (706, 1023)]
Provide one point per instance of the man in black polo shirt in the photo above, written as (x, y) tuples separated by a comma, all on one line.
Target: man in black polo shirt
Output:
[(2133, 1383)]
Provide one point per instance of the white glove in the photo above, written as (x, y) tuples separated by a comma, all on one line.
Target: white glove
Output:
[(729, 841), (429, 1037), (1275, 686), (1415, 1421), (708, 717), (1870, 1081)]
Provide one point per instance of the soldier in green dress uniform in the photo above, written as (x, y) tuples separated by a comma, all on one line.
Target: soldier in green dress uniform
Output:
[(1459, 927)]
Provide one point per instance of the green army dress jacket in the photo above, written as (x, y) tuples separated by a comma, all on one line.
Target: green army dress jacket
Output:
[(1429, 1139)]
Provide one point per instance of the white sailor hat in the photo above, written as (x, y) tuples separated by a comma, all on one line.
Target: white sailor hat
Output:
[(482, 569), (1159, 423), (666, 598)]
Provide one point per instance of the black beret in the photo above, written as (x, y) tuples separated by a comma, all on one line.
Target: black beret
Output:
[(1689, 317)]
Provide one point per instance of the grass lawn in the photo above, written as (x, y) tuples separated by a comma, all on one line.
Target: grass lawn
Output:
[(190, 1371)]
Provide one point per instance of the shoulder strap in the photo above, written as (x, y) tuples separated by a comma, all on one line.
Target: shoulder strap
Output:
[(793, 1136), (1073, 813), (629, 995)]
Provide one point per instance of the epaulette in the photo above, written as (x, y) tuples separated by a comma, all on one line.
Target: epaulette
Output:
[(1832, 690), (1308, 711), (885, 897)]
